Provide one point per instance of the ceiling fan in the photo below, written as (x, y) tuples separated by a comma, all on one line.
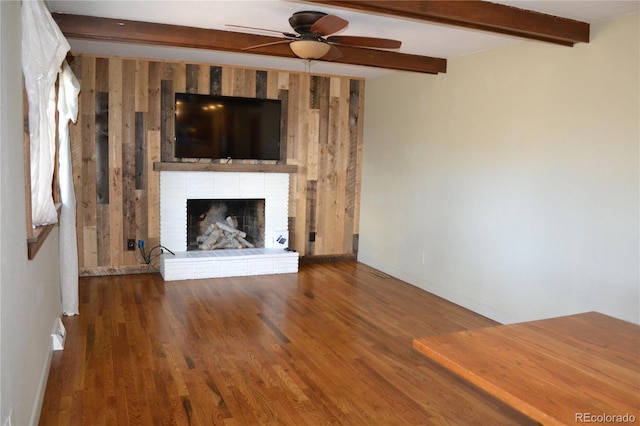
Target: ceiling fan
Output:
[(313, 37)]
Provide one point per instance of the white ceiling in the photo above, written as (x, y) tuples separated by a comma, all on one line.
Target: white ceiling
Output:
[(417, 37)]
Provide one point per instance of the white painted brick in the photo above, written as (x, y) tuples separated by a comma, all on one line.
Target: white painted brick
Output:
[(208, 268), (252, 185), (199, 184), (226, 185), (286, 266), (177, 187), (260, 266), (237, 267), (227, 263)]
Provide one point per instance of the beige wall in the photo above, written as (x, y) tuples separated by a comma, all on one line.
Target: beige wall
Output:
[(29, 290), (510, 184)]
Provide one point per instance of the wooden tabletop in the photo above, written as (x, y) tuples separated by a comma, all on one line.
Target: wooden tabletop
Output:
[(581, 368)]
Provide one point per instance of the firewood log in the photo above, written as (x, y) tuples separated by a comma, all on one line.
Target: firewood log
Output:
[(231, 230), (232, 221)]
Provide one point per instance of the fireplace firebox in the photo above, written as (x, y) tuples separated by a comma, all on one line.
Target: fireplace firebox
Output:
[(225, 224)]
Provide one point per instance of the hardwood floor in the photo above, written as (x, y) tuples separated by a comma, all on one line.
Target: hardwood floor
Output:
[(329, 345), (556, 370)]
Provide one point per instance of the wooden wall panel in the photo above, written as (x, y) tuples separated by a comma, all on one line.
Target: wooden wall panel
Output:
[(352, 193), (203, 80), (86, 197), (155, 79), (142, 86), (101, 142), (129, 202), (140, 150), (116, 182), (193, 75), (77, 163), (126, 124), (215, 80), (153, 189), (166, 119)]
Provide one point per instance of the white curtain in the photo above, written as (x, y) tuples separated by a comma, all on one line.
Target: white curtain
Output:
[(43, 50), (68, 90)]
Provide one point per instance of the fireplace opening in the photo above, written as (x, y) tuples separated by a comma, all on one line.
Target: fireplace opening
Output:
[(225, 224)]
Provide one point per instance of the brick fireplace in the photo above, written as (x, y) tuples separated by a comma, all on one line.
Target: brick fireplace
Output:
[(178, 187)]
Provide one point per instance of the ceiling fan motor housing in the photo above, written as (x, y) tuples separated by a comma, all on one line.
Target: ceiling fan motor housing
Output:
[(302, 22)]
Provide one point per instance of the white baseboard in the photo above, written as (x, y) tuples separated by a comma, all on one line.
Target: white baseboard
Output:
[(42, 387), (441, 291)]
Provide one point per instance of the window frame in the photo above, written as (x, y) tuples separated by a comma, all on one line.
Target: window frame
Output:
[(36, 236)]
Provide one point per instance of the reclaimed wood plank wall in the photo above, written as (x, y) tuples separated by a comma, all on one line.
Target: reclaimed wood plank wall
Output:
[(125, 124)]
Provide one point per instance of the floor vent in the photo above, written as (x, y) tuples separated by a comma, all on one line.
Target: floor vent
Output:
[(381, 274), (58, 335)]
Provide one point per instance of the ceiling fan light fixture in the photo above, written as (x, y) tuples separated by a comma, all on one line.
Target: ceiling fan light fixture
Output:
[(309, 49)]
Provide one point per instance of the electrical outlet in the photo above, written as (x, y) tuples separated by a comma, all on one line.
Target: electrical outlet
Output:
[(131, 244)]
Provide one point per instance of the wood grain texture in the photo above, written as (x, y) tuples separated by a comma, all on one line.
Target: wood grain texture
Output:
[(218, 167), (140, 150), (116, 160), (103, 233), (153, 189), (129, 158), (127, 118), (193, 77), (330, 345), (101, 169), (75, 133), (552, 370), (484, 16), (167, 119), (142, 86), (137, 32)]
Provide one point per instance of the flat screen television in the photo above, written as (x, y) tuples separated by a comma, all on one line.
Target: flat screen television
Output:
[(227, 127)]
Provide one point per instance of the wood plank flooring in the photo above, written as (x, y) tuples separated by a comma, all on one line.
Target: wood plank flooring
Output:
[(558, 371), (329, 345)]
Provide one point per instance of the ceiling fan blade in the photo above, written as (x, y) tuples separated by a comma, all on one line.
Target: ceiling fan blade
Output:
[(262, 29), (266, 44), (378, 43), (329, 24), (333, 54)]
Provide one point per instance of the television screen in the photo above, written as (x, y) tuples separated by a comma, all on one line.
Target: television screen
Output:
[(209, 126)]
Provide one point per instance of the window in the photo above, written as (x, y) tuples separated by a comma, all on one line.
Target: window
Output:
[(35, 236)]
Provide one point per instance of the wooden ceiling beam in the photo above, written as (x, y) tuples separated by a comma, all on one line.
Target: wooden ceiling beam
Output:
[(124, 31), (479, 15)]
